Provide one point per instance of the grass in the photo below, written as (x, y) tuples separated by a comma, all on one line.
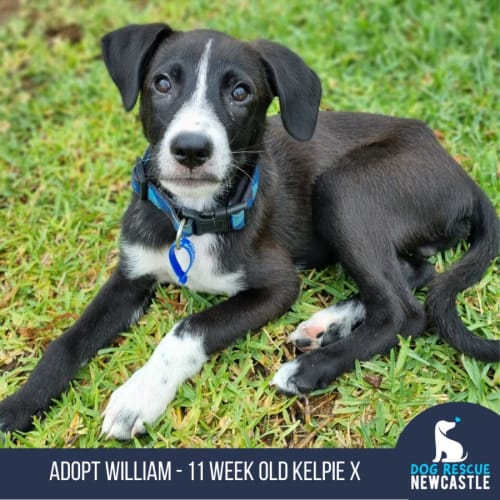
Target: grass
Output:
[(66, 150)]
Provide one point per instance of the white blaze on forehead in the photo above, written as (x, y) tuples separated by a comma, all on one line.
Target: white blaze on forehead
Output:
[(196, 115), (202, 70)]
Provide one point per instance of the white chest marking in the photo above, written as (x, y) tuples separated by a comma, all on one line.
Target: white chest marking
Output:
[(204, 275)]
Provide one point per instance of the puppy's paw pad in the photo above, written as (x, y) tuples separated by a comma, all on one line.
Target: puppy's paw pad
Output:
[(307, 336), (328, 325)]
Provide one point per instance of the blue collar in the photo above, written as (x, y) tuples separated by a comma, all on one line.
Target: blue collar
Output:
[(232, 217)]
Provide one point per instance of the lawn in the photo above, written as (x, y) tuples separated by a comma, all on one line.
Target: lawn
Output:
[(66, 151)]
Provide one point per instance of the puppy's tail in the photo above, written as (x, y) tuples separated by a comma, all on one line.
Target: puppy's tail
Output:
[(440, 303)]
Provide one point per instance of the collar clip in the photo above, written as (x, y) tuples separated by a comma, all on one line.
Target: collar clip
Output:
[(221, 220)]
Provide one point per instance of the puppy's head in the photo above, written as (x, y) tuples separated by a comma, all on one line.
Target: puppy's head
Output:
[(204, 97)]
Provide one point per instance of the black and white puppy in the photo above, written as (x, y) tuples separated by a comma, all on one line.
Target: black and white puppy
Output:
[(230, 202)]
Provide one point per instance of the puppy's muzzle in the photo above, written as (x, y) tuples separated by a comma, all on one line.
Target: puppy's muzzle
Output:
[(190, 149)]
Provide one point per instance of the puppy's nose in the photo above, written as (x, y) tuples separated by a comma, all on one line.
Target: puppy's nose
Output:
[(191, 150)]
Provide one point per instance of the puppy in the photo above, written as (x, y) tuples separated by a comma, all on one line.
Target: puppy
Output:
[(227, 201)]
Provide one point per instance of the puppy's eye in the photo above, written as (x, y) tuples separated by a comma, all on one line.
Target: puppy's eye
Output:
[(162, 84), (241, 92)]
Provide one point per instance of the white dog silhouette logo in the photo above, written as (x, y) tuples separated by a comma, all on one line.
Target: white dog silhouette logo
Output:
[(453, 450)]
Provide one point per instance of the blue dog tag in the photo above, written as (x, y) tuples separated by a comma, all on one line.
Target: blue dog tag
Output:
[(188, 247)]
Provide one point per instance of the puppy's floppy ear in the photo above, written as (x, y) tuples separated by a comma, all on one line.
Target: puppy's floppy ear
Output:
[(296, 85), (127, 52)]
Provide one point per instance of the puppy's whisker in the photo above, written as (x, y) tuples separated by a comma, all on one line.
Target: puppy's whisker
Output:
[(233, 165), (248, 151)]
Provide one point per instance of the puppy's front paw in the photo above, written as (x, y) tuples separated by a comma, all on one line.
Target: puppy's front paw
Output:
[(16, 415), (140, 400), (145, 396)]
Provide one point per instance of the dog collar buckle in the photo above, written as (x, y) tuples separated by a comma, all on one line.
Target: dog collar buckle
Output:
[(208, 222), (232, 217)]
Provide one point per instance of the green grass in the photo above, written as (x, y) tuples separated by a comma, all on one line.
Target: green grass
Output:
[(66, 150)]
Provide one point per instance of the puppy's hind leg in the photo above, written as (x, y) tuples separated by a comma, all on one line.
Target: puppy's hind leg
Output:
[(329, 325), (386, 315), (416, 271), (316, 369), (339, 320), (370, 257)]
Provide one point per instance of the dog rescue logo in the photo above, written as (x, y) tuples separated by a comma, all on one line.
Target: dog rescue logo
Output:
[(450, 468), (447, 449)]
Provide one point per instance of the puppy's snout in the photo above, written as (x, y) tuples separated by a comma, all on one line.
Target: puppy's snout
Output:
[(191, 150)]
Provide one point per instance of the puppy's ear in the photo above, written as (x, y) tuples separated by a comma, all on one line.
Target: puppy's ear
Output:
[(296, 85), (127, 53)]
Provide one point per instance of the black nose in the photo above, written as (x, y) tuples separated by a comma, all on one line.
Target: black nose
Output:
[(191, 150)]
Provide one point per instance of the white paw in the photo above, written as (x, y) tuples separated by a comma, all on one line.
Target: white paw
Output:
[(283, 378), (145, 396), (328, 325), (307, 335), (140, 400)]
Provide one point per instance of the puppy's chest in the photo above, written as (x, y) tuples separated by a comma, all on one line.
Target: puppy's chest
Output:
[(205, 274)]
